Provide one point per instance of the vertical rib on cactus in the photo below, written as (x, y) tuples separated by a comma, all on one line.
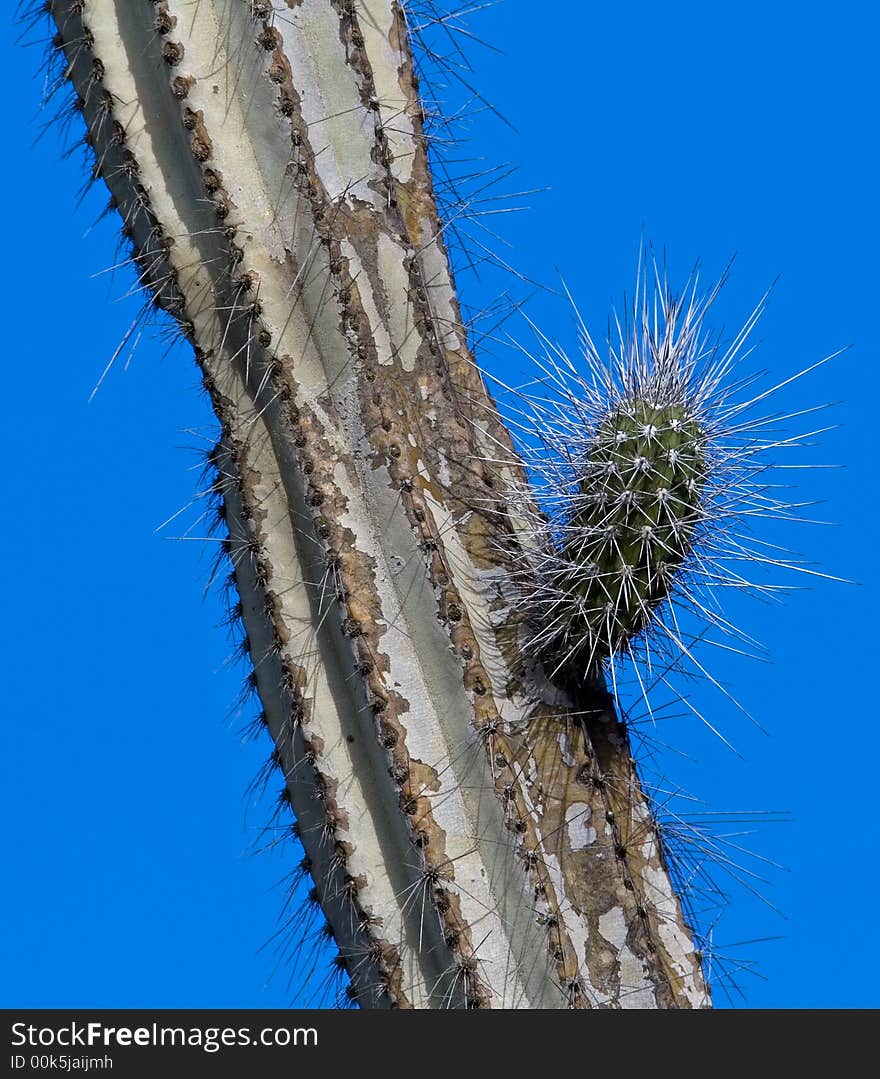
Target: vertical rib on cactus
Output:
[(477, 838)]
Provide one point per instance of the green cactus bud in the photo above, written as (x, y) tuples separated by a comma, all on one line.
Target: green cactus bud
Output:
[(631, 526), (649, 466)]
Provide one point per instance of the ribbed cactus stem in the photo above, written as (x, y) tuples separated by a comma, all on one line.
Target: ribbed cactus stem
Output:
[(476, 840)]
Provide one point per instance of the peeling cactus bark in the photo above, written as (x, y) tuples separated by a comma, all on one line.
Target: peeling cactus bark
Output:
[(477, 838)]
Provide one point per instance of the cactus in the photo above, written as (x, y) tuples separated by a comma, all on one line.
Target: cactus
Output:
[(649, 466), (631, 525), (477, 836)]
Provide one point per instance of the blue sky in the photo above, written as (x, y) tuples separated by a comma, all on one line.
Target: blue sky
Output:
[(712, 131)]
